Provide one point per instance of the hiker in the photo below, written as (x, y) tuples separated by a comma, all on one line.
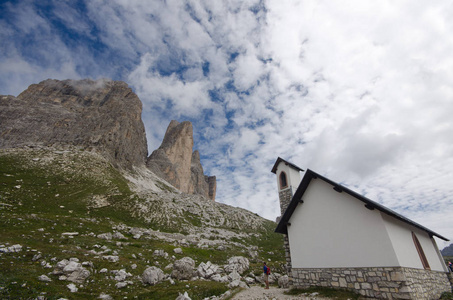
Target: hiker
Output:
[(266, 271), (450, 265)]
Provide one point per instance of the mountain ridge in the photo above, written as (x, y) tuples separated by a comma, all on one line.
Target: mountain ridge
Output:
[(104, 116)]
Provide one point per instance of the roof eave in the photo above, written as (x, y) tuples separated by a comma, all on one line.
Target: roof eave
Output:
[(279, 160), (282, 225)]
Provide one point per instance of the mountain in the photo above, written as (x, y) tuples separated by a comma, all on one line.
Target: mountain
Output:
[(83, 218), (447, 251), (175, 162), (102, 116)]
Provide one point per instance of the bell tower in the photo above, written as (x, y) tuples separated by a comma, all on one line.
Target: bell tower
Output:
[(288, 179)]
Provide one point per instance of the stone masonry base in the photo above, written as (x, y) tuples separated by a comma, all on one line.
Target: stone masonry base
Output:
[(381, 283)]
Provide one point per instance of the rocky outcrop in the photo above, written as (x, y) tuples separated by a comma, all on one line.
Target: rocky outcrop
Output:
[(183, 269), (97, 115), (175, 162), (104, 116)]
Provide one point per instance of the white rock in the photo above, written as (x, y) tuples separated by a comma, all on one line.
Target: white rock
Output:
[(68, 234), (237, 283), (249, 280), (71, 267), (79, 275), (121, 285), (183, 268), (177, 250), (283, 282), (121, 275), (105, 236), (103, 270), (184, 296), (111, 258), (72, 287), (239, 263), (44, 278), (62, 263), (36, 257), (118, 235), (105, 296), (233, 276), (153, 275)]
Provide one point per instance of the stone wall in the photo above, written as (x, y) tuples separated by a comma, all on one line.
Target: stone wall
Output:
[(285, 197), (380, 283)]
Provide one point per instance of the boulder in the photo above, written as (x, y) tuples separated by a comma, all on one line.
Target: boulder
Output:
[(104, 296), (118, 236), (237, 283), (71, 270), (184, 296), (111, 258), (206, 270), (121, 275), (183, 268), (11, 249), (238, 263), (234, 275), (105, 236), (153, 275), (79, 275), (72, 287), (219, 278), (249, 280), (283, 282), (44, 278)]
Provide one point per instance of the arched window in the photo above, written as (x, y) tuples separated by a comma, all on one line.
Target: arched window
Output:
[(421, 253), (283, 180)]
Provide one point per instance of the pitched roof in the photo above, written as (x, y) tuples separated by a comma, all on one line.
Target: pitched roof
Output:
[(279, 160), (309, 175)]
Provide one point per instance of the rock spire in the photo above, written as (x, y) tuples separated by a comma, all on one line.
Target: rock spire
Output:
[(175, 162)]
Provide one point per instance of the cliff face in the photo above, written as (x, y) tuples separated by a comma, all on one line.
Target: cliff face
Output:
[(105, 115), (175, 162)]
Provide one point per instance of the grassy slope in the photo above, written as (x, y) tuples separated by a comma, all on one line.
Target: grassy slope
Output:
[(44, 194)]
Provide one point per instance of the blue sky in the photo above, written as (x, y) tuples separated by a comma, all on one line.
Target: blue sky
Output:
[(359, 92)]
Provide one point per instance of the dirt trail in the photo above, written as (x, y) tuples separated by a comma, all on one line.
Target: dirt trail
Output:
[(259, 293)]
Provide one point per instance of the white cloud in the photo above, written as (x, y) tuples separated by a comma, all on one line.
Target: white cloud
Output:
[(358, 91)]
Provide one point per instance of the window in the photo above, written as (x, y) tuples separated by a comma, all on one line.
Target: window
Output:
[(283, 181), (421, 253)]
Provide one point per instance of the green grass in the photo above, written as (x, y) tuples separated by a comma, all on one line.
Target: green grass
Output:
[(43, 195), (340, 294), (446, 296)]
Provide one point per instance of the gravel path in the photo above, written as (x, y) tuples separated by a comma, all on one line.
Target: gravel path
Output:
[(259, 293)]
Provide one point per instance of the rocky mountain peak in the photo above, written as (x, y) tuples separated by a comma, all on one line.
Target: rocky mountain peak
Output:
[(104, 116), (90, 114), (175, 162)]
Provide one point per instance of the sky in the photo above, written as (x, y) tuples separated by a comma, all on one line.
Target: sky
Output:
[(358, 91)]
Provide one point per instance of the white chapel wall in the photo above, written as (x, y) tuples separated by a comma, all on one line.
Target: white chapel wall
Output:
[(401, 236), (332, 229)]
